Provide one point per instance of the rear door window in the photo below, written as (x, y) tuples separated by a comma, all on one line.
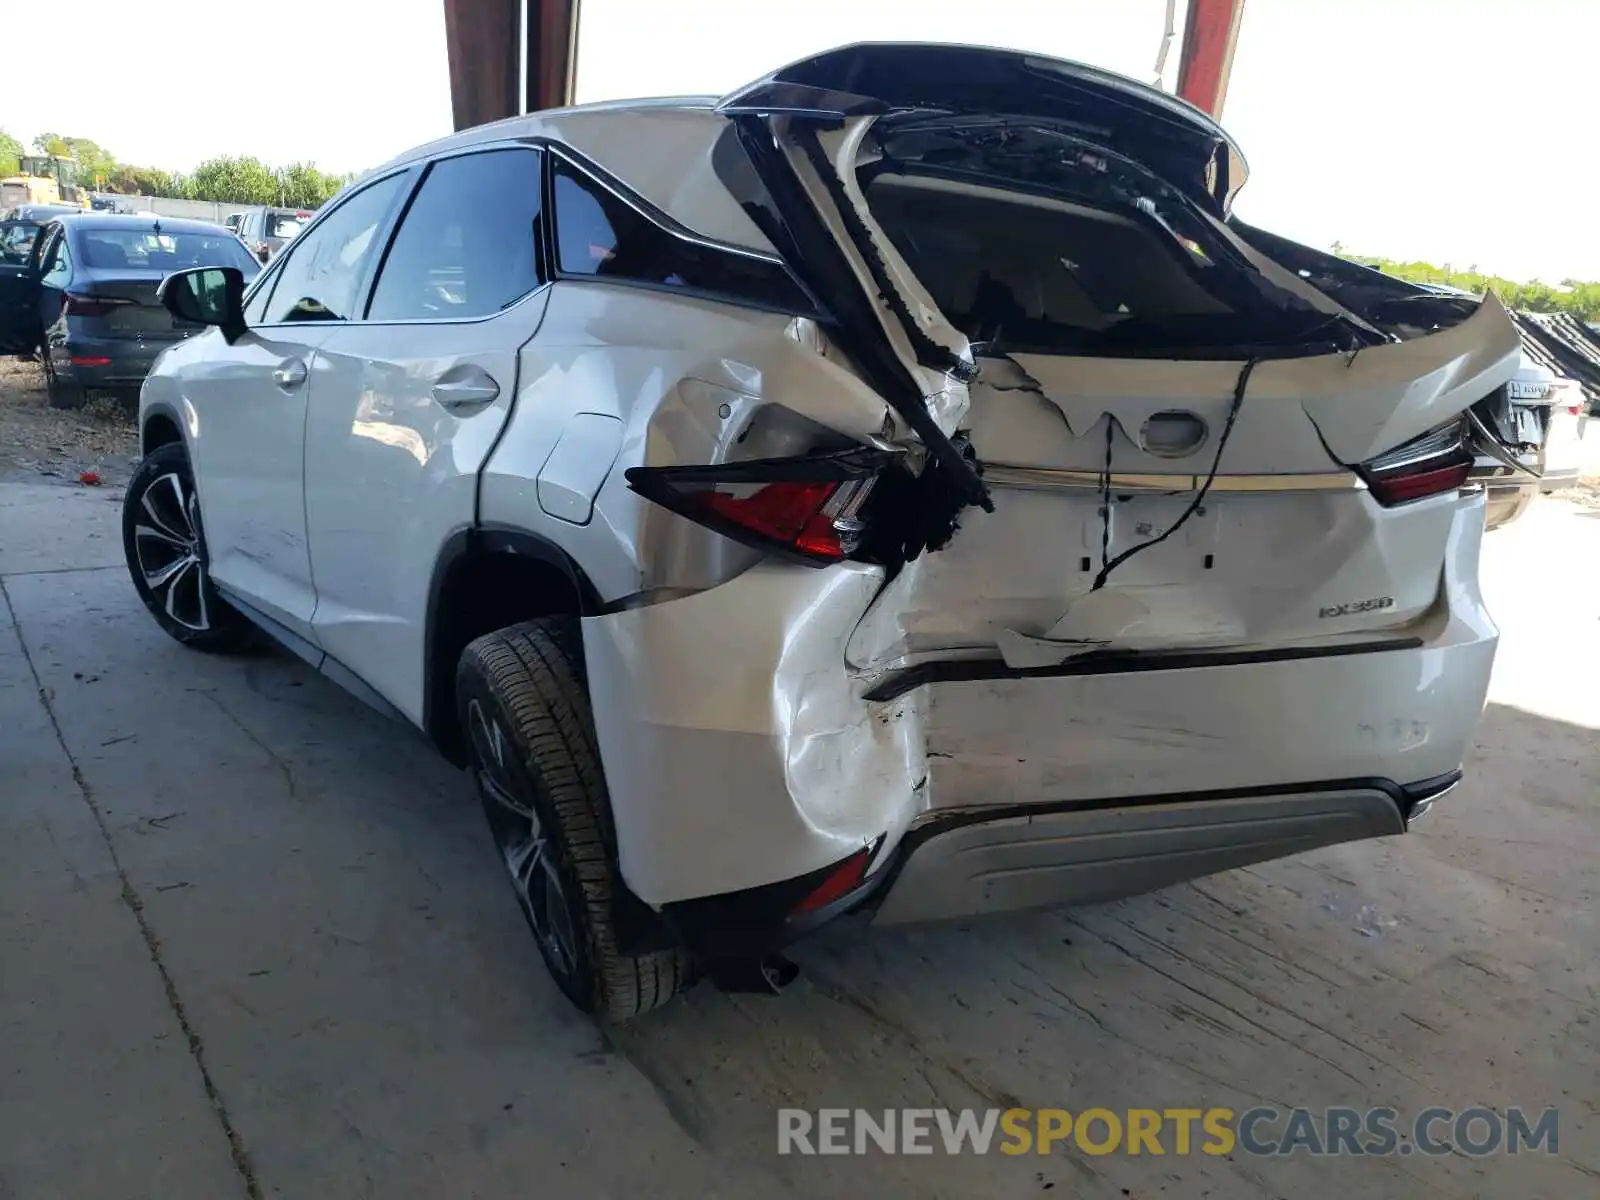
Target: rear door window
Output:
[(469, 244), (322, 278)]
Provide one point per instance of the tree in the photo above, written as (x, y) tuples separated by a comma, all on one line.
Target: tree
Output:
[(1579, 297), (94, 164), (301, 185), (10, 154), (232, 180), (143, 181), (228, 180)]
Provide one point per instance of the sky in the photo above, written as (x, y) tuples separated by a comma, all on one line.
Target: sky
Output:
[(1448, 130)]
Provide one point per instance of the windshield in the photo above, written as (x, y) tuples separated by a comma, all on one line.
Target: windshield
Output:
[(285, 226), (145, 249)]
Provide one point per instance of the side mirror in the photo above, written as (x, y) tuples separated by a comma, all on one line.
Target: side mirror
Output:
[(206, 296)]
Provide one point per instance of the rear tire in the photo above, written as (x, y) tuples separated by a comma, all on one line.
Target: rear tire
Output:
[(58, 391), (524, 709), (165, 546)]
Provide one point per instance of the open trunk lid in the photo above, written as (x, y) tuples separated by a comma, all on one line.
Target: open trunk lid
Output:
[(1177, 426)]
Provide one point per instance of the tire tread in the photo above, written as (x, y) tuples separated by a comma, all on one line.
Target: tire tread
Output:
[(535, 669)]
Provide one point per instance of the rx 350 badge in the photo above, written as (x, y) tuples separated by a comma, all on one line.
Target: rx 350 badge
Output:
[(1356, 606)]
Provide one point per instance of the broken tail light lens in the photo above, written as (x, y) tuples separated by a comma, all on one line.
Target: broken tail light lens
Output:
[(1437, 462), (808, 508), (75, 305)]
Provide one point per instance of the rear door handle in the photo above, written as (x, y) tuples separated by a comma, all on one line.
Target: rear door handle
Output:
[(465, 388), (289, 375)]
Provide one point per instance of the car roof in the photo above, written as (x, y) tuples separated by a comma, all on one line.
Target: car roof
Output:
[(30, 211), (105, 220)]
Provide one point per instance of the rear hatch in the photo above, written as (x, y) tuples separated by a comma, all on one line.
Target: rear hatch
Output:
[(122, 304), (1181, 443)]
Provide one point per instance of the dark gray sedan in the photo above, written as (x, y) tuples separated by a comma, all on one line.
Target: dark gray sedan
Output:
[(85, 298)]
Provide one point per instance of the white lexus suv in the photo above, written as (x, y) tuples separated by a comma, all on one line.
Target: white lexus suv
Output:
[(899, 487)]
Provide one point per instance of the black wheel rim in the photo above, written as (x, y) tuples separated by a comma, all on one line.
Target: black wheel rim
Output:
[(171, 559), (529, 853)]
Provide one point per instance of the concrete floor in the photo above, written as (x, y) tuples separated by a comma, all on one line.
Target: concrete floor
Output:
[(253, 942)]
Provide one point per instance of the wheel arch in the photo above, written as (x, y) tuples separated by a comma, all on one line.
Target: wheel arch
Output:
[(486, 578), (158, 426)]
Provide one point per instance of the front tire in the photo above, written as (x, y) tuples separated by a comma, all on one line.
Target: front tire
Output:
[(164, 543), (524, 710)]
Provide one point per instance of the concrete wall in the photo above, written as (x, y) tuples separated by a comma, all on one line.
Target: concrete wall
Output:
[(195, 210)]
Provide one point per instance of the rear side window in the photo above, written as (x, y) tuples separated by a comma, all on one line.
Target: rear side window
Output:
[(320, 280), (602, 236), (469, 244)]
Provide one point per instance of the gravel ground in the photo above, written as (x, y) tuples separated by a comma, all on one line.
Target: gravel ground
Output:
[(39, 444)]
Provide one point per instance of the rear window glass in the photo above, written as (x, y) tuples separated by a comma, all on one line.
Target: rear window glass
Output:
[(1005, 267), (147, 250), (286, 225)]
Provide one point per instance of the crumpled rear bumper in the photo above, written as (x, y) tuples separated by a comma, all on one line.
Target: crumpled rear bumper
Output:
[(740, 751)]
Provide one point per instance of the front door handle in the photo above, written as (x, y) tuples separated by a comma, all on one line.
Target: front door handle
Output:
[(465, 388), (289, 375)]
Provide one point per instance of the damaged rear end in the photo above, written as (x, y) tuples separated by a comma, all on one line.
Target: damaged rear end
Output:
[(1159, 562)]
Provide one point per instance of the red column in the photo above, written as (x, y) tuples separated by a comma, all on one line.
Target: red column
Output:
[(1208, 40), (482, 41)]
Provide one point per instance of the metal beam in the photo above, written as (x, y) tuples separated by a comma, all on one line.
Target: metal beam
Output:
[(481, 39), (1209, 36), (552, 41), (486, 41)]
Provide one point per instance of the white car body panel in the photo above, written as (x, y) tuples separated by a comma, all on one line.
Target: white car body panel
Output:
[(1564, 444), (391, 475), (666, 367), (247, 439)]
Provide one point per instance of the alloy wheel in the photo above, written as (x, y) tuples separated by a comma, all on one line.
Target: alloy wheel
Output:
[(166, 538), (529, 853)]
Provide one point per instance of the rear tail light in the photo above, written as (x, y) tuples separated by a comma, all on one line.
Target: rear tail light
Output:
[(837, 883), (75, 305), (808, 509), (1435, 463)]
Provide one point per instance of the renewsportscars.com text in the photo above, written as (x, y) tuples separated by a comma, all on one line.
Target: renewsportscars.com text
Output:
[(1261, 1131)]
